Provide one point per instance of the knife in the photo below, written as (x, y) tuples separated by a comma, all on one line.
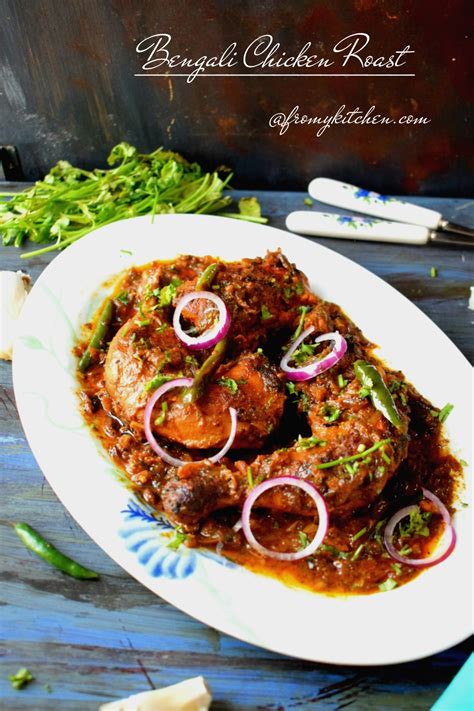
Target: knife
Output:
[(324, 224), (350, 197)]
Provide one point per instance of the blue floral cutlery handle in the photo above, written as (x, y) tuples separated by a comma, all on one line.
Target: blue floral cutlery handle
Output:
[(350, 197), (309, 222)]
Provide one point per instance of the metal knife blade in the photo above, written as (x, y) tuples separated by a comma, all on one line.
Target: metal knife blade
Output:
[(447, 226), (450, 239)]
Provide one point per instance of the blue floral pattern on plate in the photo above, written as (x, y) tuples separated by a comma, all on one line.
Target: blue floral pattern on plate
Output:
[(148, 536)]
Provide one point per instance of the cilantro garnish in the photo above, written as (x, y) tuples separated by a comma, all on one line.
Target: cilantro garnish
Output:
[(229, 383), (179, 537), (22, 677), (387, 585)]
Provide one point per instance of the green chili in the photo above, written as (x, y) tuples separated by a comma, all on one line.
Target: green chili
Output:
[(196, 390), (207, 277), (36, 543), (98, 336), (371, 380)]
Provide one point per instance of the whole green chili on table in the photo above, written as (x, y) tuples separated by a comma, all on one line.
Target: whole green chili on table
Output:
[(36, 543), (381, 397), (98, 336)]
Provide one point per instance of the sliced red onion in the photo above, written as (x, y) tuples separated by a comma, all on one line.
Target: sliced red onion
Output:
[(308, 489), (448, 540), (306, 372), (174, 461), (214, 334)]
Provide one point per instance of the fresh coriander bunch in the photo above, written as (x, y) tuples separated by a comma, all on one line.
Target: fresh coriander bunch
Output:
[(70, 202)]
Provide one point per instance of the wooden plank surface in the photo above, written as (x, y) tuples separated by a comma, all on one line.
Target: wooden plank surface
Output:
[(95, 641)]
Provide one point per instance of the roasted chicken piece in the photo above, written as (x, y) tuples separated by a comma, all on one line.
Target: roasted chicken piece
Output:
[(250, 385), (140, 353), (263, 296), (144, 348), (343, 422)]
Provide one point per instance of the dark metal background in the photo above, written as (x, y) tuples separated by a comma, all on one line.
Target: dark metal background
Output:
[(67, 89)]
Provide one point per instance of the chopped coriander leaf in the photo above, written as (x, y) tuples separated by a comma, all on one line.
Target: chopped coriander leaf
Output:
[(341, 381), (304, 540), (332, 550), (178, 538), (331, 412), (433, 272), (397, 568), (250, 207), (162, 328), (305, 351), (307, 201), (351, 458), (350, 469), (378, 533), (167, 293), (288, 292), (463, 463), (358, 551), (21, 678), (123, 297), (191, 360), (250, 477), (157, 381), (364, 392), (417, 524), (359, 533), (291, 387), (161, 417), (304, 402), (265, 313), (126, 251), (387, 585), (304, 310), (385, 456), (229, 383), (406, 550), (445, 412), (144, 322), (394, 386), (299, 288), (306, 442)]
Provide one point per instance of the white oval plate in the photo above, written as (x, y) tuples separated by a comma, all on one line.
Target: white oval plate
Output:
[(423, 617)]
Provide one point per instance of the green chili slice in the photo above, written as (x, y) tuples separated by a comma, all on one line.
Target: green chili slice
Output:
[(98, 336), (205, 371), (381, 397), (207, 277), (36, 543)]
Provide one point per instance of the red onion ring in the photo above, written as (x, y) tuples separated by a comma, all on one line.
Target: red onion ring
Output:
[(308, 489), (174, 461), (448, 539), (214, 334), (309, 371)]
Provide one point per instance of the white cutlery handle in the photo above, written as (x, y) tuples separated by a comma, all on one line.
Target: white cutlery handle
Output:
[(349, 227), (350, 197)]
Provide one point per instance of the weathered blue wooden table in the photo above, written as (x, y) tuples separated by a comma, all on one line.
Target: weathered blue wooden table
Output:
[(89, 642)]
